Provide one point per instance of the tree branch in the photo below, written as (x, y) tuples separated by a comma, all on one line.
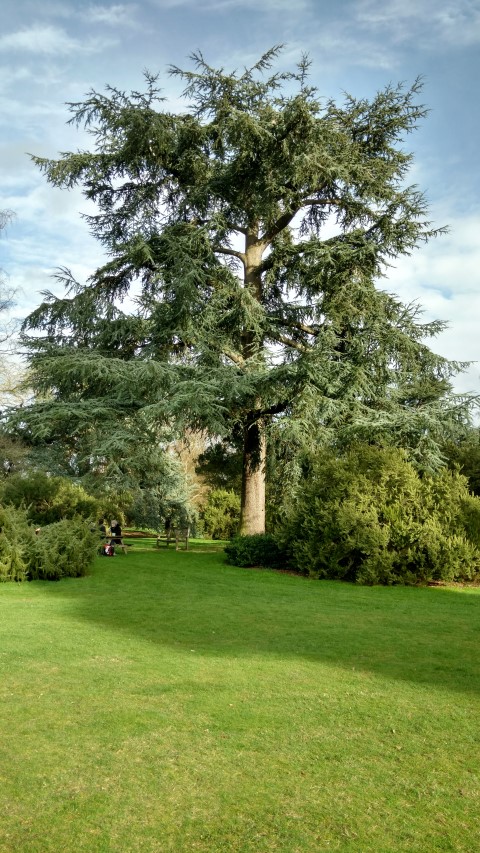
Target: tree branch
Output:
[(302, 327), (289, 342), (312, 201), (223, 250), (232, 227), (274, 409), (233, 356), (278, 226), (286, 218)]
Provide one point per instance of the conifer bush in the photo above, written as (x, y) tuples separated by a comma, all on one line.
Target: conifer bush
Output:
[(16, 542), (260, 549), (221, 514), (63, 549), (370, 517)]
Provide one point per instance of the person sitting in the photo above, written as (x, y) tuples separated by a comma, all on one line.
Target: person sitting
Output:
[(116, 536), (105, 548)]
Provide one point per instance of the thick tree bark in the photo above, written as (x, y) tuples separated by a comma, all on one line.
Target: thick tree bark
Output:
[(252, 513), (252, 518)]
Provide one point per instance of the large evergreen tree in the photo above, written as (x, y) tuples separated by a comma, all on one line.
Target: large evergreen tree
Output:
[(250, 229)]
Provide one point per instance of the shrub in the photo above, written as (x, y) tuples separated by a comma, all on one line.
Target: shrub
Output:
[(369, 517), (48, 499), (63, 549), (221, 514), (259, 549), (16, 541)]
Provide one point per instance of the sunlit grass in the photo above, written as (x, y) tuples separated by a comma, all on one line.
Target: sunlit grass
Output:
[(169, 702)]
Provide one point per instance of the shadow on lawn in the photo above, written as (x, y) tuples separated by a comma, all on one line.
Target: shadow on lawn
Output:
[(427, 636)]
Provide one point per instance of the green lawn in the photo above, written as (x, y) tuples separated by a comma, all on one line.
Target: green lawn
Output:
[(169, 702)]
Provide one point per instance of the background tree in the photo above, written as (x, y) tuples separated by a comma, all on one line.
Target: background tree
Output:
[(13, 453), (251, 229), (6, 293), (47, 499), (464, 455)]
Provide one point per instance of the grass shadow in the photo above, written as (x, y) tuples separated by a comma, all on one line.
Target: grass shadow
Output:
[(193, 600)]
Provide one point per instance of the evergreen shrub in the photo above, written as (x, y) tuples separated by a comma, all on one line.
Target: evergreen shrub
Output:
[(48, 499), (261, 549), (16, 542), (63, 549), (221, 514), (370, 517)]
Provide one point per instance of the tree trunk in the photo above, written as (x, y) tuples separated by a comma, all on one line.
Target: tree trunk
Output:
[(252, 516), (252, 513)]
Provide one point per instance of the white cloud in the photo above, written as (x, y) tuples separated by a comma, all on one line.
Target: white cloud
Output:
[(11, 76), (456, 22), (48, 40), (444, 278), (112, 16), (266, 6)]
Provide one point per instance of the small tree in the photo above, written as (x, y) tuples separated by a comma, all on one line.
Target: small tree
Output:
[(252, 227), (221, 514)]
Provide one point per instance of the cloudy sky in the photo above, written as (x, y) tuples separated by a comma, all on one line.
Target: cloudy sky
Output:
[(55, 52)]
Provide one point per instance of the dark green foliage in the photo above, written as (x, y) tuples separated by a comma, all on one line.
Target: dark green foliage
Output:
[(113, 506), (64, 549), (464, 456), (154, 511), (221, 514), (220, 465), (369, 517), (48, 499), (257, 550), (13, 456)]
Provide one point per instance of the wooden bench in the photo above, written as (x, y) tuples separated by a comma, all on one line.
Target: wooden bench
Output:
[(174, 534)]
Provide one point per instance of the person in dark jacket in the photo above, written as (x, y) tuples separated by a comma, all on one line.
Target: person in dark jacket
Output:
[(116, 535)]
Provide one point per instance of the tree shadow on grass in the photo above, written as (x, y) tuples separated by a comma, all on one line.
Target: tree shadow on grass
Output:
[(195, 601)]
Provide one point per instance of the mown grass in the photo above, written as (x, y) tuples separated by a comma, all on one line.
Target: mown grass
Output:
[(169, 702)]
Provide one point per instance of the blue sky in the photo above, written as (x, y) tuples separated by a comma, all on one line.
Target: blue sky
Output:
[(54, 52)]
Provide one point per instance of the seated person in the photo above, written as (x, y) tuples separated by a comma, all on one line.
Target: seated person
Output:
[(116, 535), (105, 548)]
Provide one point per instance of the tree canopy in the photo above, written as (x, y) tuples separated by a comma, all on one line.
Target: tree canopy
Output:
[(250, 230)]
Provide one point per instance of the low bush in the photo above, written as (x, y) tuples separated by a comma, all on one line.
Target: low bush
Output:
[(259, 549), (62, 549), (369, 517)]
